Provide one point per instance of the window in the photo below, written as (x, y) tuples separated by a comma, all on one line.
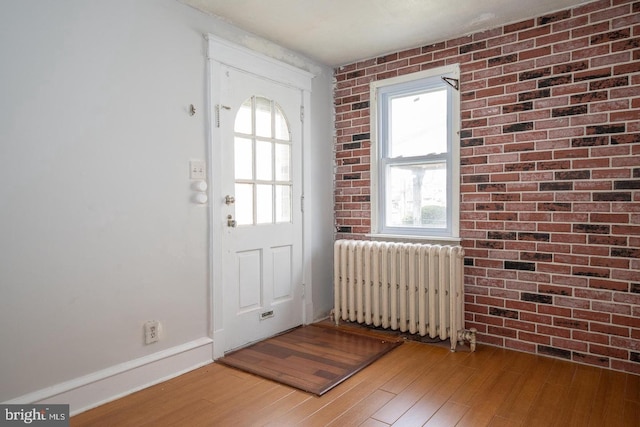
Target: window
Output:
[(415, 167), (262, 152)]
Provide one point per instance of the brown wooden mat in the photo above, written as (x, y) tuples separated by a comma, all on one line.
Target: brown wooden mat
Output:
[(311, 358)]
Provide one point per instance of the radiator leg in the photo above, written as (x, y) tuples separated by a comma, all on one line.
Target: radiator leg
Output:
[(467, 335), (332, 316)]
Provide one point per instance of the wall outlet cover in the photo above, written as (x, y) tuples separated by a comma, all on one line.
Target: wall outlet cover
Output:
[(151, 331)]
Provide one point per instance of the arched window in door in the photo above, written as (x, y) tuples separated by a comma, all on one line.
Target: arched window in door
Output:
[(262, 157)]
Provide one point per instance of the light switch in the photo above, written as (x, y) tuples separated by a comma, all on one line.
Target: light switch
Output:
[(197, 169)]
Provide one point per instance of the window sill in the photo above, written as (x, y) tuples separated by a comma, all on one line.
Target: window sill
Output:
[(436, 240)]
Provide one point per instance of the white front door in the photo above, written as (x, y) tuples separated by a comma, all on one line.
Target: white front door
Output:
[(261, 185)]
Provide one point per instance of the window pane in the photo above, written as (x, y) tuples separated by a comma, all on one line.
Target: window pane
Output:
[(244, 204), (417, 195), (262, 152), (282, 128), (283, 156), (418, 124), (283, 203), (243, 118), (264, 202), (263, 117), (243, 158), (264, 163)]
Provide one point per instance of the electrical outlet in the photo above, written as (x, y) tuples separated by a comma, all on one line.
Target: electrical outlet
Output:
[(151, 331)]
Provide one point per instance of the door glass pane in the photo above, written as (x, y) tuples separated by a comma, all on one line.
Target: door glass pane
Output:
[(264, 162), (264, 204), (262, 152), (281, 126), (244, 204), (243, 118), (263, 117), (283, 203), (418, 124), (243, 158), (283, 162), (417, 195)]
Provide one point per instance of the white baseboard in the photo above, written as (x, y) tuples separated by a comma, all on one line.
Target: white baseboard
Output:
[(103, 386)]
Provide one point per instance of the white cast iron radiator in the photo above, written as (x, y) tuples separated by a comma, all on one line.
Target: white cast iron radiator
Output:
[(402, 286)]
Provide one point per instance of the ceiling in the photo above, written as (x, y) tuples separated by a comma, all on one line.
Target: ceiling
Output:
[(339, 32)]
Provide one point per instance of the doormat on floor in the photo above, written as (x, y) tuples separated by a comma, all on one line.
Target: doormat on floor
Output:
[(311, 358)]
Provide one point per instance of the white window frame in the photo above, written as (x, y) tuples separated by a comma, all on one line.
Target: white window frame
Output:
[(379, 92)]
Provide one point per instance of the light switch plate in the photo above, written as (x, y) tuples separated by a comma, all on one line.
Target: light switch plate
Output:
[(197, 169)]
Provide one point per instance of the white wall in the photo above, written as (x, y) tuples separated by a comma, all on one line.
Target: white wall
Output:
[(97, 231), (321, 213)]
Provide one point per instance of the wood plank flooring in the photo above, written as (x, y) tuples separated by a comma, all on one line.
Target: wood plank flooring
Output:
[(414, 385), (312, 358)]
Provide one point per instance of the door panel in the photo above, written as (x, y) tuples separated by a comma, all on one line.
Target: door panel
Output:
[(262, 157), (282, 283), (249, 281)]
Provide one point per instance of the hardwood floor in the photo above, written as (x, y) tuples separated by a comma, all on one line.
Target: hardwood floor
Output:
[(415, 384), (311, 358)]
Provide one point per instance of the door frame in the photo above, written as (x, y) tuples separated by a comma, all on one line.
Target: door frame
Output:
[(223, 52)]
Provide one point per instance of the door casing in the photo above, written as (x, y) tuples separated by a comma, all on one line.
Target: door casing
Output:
[(223, 52)]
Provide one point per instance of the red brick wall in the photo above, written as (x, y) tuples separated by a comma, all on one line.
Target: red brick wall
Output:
[(550, 177)]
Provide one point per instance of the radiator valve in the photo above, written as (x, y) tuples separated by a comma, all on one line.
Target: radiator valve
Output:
[(468, 335)]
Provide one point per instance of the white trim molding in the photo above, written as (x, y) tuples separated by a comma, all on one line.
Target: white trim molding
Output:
[(109, 384), (242, 58), (379, 92)]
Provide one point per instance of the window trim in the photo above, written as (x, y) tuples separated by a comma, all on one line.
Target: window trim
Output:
[(378, 230)]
